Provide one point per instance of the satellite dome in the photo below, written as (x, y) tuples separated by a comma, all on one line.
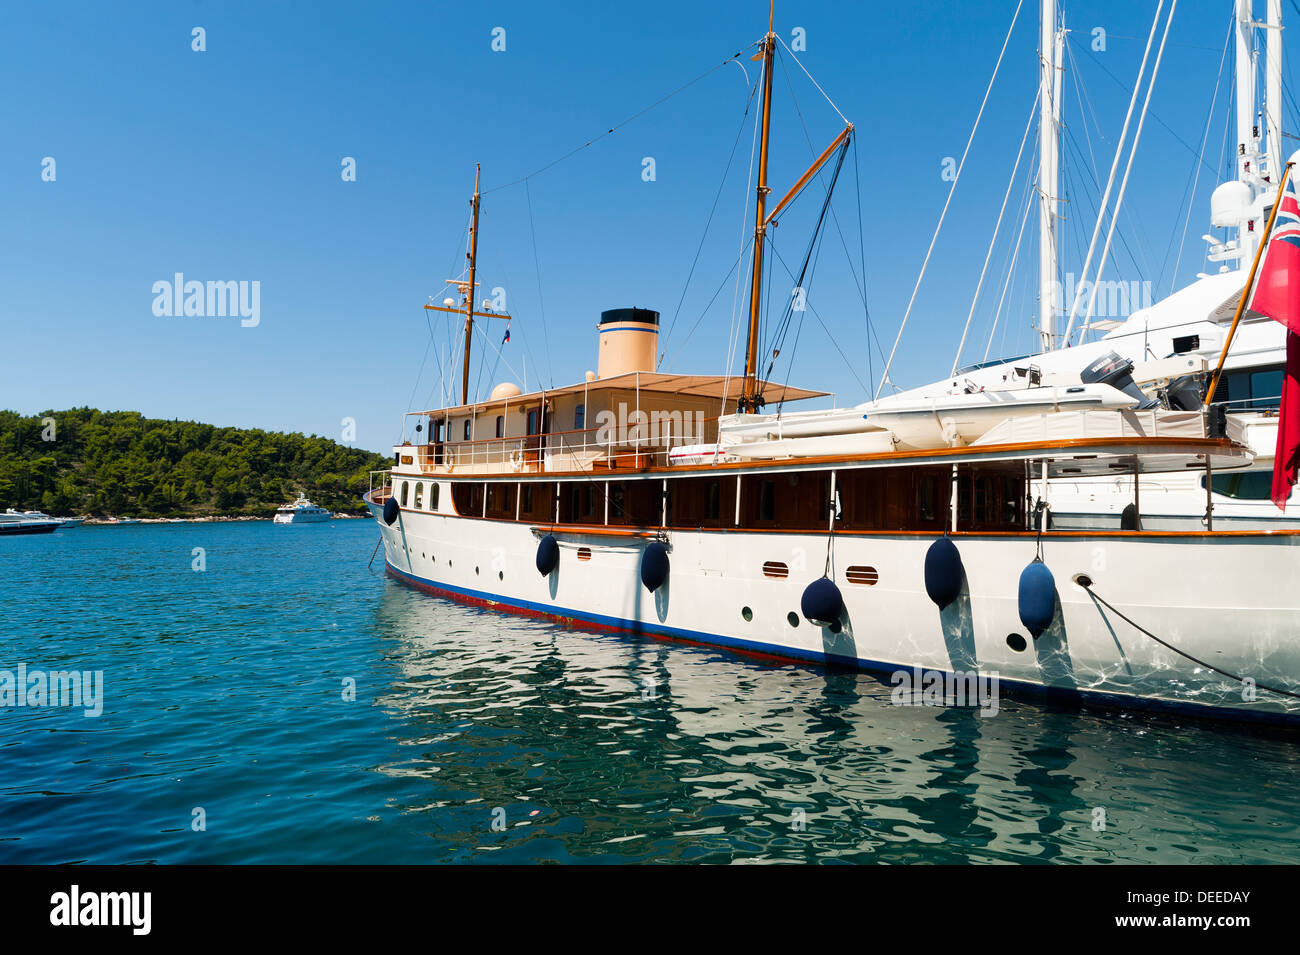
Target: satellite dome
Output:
[(507, 389), (1229, 204)]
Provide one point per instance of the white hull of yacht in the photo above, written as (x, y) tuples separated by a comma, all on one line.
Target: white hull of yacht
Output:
[(1232, 603)]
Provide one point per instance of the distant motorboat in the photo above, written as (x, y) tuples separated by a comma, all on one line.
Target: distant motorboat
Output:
[(302, 511), (27, 522)]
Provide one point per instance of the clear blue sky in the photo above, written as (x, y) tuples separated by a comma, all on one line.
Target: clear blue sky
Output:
[(225, 165)]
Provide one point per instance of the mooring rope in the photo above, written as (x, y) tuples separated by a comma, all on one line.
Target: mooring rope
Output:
[(1109, 606)]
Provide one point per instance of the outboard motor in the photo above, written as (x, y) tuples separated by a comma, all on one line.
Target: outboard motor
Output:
[(1184, 394), (1117, 372)]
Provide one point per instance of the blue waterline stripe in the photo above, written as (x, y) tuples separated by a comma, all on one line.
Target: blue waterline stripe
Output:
[(1061, 694)]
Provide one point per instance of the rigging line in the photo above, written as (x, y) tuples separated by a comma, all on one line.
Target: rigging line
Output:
[(501, 357), (812, 150), (618, 126), (884, 376), (1091, 196), (798, 334), (997, 228), (826, 328), (718, 291), (1094, 180), (811, 80), (537, 271), (862, 247), (801, 281), (733, 332), (1114, 167), (718, 196), (1137, 137), (1169, 129), (1014, 257), (1189, 196)]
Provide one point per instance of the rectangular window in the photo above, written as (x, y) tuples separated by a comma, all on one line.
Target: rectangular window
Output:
[(580, 418), (767, 501), (713, 501)]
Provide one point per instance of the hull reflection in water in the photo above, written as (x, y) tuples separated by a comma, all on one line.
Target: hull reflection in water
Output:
[(600, 746)]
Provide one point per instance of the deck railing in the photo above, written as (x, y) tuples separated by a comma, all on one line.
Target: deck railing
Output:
[(588, 449)]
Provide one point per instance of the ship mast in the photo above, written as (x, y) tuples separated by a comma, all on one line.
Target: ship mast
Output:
[(1049, 121), (469, 292), (750, 400), (466, 288)]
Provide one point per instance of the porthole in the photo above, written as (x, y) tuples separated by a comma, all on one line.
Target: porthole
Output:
[(747, 614), (475, 571), (1016, 642), (501, 575), (793, 618)]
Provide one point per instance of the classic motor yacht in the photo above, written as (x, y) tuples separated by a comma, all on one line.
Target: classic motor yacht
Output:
[(882, 537)]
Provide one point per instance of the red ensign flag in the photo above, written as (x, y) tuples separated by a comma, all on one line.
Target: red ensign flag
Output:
[(1277, 295)]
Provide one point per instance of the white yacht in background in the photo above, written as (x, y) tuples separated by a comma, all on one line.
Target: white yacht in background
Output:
[(1160, 356), (14, 522), (302, 511)]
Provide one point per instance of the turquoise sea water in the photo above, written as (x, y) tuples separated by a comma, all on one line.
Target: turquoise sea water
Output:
[(224, 692)]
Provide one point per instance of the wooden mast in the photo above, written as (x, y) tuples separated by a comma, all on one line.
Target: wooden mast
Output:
[(750, 400), (469, 293)]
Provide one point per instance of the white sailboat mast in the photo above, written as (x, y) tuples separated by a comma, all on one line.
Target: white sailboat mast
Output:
[(1247, 141), (1273, 91), (1049, 119)]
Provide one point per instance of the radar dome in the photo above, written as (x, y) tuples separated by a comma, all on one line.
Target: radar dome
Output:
[(507, 389), (1229, 204)]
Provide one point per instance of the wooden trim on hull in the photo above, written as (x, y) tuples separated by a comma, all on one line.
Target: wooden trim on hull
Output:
[(601, 530)]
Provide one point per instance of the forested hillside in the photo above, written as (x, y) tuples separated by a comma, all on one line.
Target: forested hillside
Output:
[(120, 463)]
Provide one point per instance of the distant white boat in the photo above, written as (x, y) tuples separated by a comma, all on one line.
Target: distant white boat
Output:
[(123, 520), (302, 511), (26, 522)]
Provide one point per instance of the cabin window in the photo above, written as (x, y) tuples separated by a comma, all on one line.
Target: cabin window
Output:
[(433, 496), (467, 427), (501, 426), (435, 430), (528, 498), (929, 497), (767, 501), (580, 418), (1248, 486), (532, 421), (713, 501), (419, 495), (405, 488)]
